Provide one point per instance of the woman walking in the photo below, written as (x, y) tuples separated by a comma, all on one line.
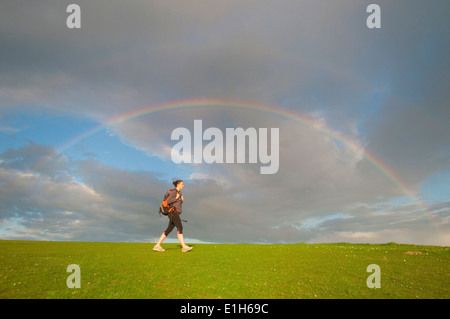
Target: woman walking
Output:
[(175, 199)]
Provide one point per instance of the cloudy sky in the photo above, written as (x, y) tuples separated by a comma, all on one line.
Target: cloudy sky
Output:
[(364, 147)]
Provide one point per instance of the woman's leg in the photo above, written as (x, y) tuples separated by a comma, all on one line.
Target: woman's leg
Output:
[(171, 225), (158, 247), (184, 247), (177, 221), (161, 239), (181, 239)]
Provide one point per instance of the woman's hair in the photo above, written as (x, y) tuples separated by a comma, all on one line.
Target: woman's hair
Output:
[(175, 183)]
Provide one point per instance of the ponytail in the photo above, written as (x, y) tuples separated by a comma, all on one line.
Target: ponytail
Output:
[(175, 183)]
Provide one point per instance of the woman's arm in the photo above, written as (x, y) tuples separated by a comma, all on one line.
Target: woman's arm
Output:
[(173, 197)]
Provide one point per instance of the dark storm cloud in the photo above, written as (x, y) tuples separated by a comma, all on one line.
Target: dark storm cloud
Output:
[(384, 89)]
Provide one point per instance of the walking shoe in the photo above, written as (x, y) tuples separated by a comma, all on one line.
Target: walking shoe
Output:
[(186, 249), (158, 248)]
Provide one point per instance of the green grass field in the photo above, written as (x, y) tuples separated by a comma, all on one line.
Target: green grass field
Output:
[(33, 269)]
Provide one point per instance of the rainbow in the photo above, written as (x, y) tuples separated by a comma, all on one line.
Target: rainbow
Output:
[(197, 103), (234, 104)]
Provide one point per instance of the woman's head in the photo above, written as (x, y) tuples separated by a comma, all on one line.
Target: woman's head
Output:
[(178, 184)]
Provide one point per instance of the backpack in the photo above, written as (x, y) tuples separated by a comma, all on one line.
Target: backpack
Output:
[(165, 208)]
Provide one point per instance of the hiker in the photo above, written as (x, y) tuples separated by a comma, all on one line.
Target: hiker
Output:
[(176, 200)]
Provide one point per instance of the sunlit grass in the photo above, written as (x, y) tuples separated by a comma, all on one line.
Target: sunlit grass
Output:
[(32, 269)]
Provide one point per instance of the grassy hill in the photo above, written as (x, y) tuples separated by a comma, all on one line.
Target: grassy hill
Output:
[(33, 269)]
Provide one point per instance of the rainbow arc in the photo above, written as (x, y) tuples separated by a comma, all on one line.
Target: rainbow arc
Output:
[(234, 104)]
